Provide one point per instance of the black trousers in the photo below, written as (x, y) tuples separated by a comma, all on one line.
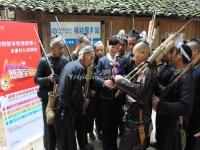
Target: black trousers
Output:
[(109, 115), (168, 137), (65, 130), (94, 114), (80, 129), (121, 101), (49, 136)]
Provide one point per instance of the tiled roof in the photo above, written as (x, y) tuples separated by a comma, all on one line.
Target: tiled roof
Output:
[(171, 8)]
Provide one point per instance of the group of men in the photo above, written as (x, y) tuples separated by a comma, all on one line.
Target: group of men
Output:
[(88, 87)]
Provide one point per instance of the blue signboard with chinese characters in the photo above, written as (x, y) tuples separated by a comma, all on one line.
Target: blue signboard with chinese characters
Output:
[(70, 31)]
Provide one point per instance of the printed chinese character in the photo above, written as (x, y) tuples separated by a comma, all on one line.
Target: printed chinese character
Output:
[(54, 31), (16, 50), (3, 43), (18, 43), (63, 30), (26, 43), (31, 43), (8, 43), (20, 50), (75, 30), (91, 30), (97, 30), (22, 43), (81, 30), (87, 30)]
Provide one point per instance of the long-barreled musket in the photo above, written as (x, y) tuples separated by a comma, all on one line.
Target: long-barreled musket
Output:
[(50, 115), (155, 38), (85, 88), (194, 62), (44, 52), (158, 53), (66, 46), (151, 30), (88, 78)]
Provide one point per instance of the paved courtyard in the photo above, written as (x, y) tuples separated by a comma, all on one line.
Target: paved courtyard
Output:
[(38, 144)]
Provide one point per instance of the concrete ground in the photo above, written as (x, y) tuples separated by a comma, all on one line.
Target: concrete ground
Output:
[(98, 144), (38, 144)]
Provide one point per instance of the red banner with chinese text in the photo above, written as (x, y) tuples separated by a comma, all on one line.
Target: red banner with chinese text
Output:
[(19, 56)]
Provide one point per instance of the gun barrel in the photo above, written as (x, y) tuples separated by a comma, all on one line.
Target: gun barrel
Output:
[(44, 52), (68, 51), (195, 61), (160, 48), (157, 54)]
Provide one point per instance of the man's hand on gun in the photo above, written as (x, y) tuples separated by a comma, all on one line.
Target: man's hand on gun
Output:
[(118, 77), (53, 78), (109, 84)]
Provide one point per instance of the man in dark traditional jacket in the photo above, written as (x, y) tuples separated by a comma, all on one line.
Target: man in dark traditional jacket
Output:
[(133, 38), (175, 103), (123, 45), (165, 76), (138, 102), (45, 79), (107, 67), (71, 98), (81, 120), (193, 142)]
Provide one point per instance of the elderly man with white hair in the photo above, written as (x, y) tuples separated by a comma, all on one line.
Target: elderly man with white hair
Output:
[(45, 79), (71, 89), (93, 110)]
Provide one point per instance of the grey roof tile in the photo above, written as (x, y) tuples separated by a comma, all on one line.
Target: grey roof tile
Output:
[(178, 8)]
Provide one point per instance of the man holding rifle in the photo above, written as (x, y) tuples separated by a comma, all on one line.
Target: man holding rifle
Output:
[(138, 102), (45, 79), (174, 105)]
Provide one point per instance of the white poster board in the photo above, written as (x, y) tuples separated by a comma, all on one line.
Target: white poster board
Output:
[(70, 31)]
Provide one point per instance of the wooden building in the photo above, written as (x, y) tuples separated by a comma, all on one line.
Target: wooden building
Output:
[(113, 14)]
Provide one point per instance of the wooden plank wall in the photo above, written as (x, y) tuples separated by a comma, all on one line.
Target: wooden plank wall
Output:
[(168, 25), (115, 23)]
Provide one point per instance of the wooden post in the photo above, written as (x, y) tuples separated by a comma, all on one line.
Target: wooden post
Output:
[(103, 35), (43, 32)]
